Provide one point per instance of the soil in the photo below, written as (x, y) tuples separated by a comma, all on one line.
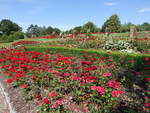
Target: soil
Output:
[(3, 105), (17, 102)]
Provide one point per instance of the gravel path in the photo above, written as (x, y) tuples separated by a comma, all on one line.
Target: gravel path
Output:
[(4, 108)]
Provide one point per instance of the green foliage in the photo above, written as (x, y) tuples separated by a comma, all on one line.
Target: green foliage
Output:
[(3, 38), (10, 38), (77, 51), (89, 27), (56, 31), (8, 27), (112, 24), (49, 30), (47, 81), (144, 27), (126, 27), (18, 35), (92, 44), (35, 31), (142, 45), (78, 29), (117, 45)]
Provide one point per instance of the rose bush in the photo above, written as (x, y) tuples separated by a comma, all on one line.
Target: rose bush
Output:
[(51, 77)]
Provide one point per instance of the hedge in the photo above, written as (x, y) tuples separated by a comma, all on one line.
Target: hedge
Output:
[(76, 51)]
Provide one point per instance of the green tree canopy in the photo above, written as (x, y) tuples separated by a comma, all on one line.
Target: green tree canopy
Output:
[(56, 30), (126, 27), (8, 27), (89, 27), (33, 30), (112, 24), (78, 29), (144, 27), (49, 30)]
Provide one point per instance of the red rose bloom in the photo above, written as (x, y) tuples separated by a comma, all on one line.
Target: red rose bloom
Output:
[(10, 80), (106, 74), (47, 101), (100, 89), (59, 102), (52, 94), (24, 86), (115, 93), (74, 77)]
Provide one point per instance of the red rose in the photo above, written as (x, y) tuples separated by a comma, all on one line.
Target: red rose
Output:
[(59, 102), (47, 101), (106, 74), (24, 86), (74, 77), (115, 93), (52, 94), (10, 80)]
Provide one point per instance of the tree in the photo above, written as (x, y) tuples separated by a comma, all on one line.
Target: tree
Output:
[(69, 31), (33, 31), (112, 24), (78, 29), (126, 27), (8, 27), (144, 27), (49, 30), (42, 31), (56, 31), (89, 27)]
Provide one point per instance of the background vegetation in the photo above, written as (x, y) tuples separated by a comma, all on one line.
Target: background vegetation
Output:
[(10, 31)]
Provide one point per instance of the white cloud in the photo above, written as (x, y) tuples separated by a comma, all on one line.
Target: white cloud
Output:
[(110, 3), (144, 10)]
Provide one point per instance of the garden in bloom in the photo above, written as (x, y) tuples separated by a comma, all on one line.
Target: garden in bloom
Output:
[(92, 67), (77, 82)]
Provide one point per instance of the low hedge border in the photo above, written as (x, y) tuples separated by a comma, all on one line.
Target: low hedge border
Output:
[(78, 51)]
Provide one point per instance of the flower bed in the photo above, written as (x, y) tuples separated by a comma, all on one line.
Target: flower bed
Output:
[(89, 83), (24, 42), (47, 37)]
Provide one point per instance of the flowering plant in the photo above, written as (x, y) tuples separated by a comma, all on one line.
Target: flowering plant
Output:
[(89, 80)]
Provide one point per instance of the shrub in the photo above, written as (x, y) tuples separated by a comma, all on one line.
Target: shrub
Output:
[(91, 44), (117, 45), (84, 80), (142, 45), (12, 37), (18, 35), (89, 80), (79, 52)]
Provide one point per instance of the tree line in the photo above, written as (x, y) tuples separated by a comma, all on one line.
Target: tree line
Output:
[(10, 31)]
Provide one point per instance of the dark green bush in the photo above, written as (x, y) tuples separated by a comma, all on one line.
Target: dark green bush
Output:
[(12, 37), (142, 45), (18, 35)]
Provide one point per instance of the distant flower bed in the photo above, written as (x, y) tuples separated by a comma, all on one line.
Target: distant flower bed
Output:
[(25, 42), (48, 37)]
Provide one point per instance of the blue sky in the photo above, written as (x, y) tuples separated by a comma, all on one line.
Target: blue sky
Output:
[(66, 14)]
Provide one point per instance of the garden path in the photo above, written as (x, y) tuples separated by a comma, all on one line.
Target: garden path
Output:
[(5, 106)]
